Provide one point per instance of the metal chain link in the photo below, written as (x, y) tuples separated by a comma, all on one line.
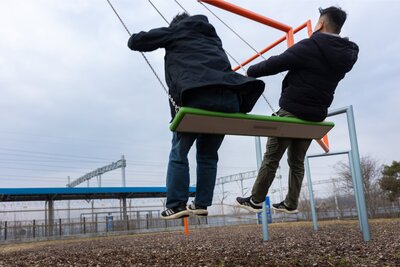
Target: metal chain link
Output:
[(148, 62)]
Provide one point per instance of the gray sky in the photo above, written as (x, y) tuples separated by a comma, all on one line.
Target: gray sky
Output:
[(75, 98)]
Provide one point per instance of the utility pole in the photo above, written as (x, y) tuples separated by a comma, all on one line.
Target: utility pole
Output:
[(123, 170)]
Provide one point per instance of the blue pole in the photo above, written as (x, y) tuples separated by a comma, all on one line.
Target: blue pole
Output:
[(264, 211), (311, 194), (353, 176), (358, 187)]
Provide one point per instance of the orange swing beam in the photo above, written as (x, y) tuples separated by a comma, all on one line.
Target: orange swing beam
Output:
[(289, 36)]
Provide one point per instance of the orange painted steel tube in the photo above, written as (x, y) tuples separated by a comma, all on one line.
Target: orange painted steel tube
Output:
[(323, 145), (248, 14), (283, 38), (186, 225), (290, 38), (309, 28), (261, 52)]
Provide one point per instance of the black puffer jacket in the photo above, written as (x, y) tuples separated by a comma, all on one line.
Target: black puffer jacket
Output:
[(316, 65), (195, 59)]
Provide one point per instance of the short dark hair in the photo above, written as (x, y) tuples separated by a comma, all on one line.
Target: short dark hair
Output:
[(179, 17), (336, 17)]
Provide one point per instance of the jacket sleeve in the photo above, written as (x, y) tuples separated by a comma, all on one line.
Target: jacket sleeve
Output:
[(293, 58), (151, 40)]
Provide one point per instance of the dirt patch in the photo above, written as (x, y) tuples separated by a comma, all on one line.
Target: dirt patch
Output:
[(291, 244)]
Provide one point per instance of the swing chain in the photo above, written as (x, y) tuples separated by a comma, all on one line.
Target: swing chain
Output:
[(244, 40), (176, 107)]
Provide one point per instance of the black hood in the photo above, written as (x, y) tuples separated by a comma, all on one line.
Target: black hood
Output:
[(198, 23), (340, 53)]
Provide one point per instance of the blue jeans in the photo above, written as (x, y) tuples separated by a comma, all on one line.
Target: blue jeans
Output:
[(178, 178)]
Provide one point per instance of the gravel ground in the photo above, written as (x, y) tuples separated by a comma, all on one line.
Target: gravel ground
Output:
[(337, 243)]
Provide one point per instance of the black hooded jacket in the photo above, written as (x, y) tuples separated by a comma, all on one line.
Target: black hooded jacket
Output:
[(316, 65), (195, 59)]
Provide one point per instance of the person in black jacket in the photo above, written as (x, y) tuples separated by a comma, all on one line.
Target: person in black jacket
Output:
[(198, 74), (315, 67)]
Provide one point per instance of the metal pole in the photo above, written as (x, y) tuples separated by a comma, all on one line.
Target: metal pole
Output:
[(353, 177), (311, 195), (34, 229), (264, 211), (69, 210), (248, 14), (222, 202), (59, 229), (123, 171), (241, 185), (124, 211), (258, 151), (51, 216), (363, 215), (46, 221)]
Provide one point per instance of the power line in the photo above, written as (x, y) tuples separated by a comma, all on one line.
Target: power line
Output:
[(51, 154)]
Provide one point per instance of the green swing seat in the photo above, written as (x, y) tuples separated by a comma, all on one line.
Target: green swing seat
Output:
[(194, 120)]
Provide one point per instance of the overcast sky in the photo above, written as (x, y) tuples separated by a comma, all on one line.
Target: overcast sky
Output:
[(75, 98)]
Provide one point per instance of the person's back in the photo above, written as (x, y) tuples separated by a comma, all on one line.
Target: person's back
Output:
[(316, 65), (308, 91), (196, 66), (198, 74)]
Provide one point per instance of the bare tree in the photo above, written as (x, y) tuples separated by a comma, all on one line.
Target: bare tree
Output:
[(371, 172)]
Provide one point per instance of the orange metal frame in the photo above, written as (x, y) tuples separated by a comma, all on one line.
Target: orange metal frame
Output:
[(289, 36)]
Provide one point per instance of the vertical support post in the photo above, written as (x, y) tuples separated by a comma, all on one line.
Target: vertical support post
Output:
[(69, 210), (96, 224), (311, 195), (264, 211), (222, 202), (46, 219), (124, 211), (5, 230), (359, 191), (309, 28), (60, 227), (258, 151), (241, 185), (127, 222), (353, 177), (123, 171), (92, 215), (51, 216), (290, 37), (84, 225), (186, 225), (34, 229)]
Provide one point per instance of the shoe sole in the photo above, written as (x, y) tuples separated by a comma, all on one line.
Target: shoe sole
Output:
[(249, 208), (199, 212), (285, 210), (179, 215)]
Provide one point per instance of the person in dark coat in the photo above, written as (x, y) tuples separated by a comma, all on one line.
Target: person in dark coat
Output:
[(315, 65), (198, 74)]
